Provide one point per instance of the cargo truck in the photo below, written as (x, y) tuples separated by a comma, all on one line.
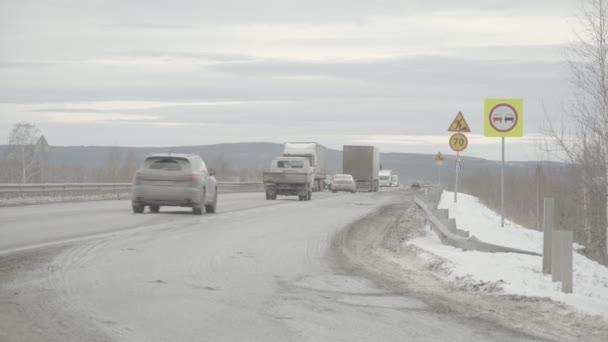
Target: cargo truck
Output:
[(395, 180), (363, 163), (315, 153), (289, 176), (385, 177)]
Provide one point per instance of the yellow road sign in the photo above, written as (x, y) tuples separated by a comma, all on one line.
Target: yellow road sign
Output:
[(459, 124), (459, 142), (503, 118), (439, 157)]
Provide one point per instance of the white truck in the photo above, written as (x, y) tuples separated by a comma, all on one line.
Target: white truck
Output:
[(315, 153), (395, 180), (363, 163), (289, 176), (386, 178)]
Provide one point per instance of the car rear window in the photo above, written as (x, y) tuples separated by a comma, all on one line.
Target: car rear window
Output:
[(283, 164), (167, 164), (297, 164)]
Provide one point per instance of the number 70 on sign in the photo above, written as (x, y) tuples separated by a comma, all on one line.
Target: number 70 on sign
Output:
[(459, 142)]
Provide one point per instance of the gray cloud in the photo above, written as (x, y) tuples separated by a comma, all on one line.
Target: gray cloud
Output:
[(315, 70)]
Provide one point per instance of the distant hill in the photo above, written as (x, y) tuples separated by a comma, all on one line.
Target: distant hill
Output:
[(251, 158)]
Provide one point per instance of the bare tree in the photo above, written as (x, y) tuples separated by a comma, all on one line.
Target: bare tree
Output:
[(583, 133), (113, 167), (23, 141), (129, 167)]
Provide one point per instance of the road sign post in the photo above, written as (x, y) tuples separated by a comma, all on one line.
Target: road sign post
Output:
[(458, 143), (439, 162), (503, 118)]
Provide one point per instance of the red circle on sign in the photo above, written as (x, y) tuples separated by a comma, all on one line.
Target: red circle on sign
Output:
[(514, 118)]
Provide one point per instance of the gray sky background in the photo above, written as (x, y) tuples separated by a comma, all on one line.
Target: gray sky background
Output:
[(390, 73)]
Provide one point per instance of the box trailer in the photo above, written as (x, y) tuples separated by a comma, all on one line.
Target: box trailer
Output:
[(315, 153), (363, 163)]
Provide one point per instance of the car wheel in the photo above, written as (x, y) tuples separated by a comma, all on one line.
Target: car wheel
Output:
[(309, 196), (198, 209), (154, 208), (138, 209), (211, 208)]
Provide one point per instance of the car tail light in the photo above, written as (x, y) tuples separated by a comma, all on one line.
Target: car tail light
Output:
[(194, 178)]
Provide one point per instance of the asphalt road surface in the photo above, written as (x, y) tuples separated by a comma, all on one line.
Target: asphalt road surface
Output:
[(255, 271)]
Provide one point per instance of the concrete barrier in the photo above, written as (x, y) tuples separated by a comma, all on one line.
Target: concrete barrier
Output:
[(561, 259), (547, 230)]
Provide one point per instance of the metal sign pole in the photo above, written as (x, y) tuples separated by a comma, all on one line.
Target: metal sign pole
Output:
[(457, 174), (502, 186), (439, 174)]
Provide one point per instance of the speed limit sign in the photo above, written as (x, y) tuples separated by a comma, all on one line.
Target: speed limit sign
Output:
[(459, 142)]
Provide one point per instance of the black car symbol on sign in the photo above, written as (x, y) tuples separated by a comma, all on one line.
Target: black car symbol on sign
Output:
[(509, 117)]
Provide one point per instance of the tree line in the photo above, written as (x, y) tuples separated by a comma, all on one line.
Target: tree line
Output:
[(26, 159)]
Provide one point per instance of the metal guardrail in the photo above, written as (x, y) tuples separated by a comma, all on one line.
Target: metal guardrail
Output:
[(26, 189), (454, 240), (61, 187)]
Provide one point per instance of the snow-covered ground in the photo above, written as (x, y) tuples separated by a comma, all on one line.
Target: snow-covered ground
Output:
[(510, 273)]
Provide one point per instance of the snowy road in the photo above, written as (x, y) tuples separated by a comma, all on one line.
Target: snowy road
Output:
[(256, 271), (34, 225)]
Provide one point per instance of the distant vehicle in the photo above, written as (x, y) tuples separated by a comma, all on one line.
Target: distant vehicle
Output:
[(395, 180), (343, 183), (385, 177), (289, 176), (415, 184), (168, 179), (326, 183), (315, 153), (363, 163)]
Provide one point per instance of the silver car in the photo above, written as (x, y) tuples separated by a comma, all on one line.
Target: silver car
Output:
[(174, 180), (343, 183)]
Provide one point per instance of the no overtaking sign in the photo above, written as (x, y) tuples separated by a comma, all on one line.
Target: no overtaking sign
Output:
[(503, 118)]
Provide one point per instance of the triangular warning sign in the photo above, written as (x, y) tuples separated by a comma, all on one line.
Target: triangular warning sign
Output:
[(459, 124)]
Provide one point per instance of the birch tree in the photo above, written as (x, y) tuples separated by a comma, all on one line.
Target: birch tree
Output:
[(22, 142), (583, 132)]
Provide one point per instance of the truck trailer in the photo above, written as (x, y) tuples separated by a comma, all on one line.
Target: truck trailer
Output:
[(363, 163), (315, 153)]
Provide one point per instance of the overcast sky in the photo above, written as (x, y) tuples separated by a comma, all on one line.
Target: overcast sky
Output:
[(392, 73)]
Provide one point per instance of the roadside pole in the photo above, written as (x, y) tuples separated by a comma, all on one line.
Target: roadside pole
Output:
[(439, 175), (548, 217), (502, 186), (439, 162), (503, 118), (457, 178), (458, 143)]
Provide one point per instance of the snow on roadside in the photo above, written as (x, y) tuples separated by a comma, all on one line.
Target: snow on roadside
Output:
[(510, 273)]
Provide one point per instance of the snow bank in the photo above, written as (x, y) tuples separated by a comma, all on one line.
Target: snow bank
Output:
[(508, 272)]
